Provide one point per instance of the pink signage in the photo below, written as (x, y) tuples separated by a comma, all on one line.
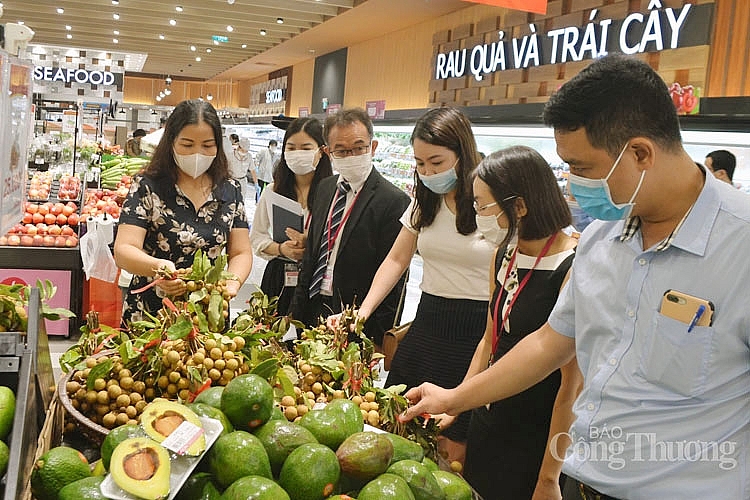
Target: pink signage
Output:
[(376, 109), (61, 280)]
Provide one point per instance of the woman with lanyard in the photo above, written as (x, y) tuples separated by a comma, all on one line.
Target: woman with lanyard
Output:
[(508, 456), (440, 224), (302, 166)]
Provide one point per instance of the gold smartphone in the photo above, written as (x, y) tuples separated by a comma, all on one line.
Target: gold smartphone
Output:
[(683, 307)]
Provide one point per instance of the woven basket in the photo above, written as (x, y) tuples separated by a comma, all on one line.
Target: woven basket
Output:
[(89, 429)]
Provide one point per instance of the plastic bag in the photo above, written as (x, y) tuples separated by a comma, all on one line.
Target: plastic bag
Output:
[(97, 258)]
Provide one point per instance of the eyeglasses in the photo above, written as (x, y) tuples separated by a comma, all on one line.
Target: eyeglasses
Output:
[(356, 151), (479, 209)]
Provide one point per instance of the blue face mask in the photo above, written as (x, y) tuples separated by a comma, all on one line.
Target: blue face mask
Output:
[(441, 183), (595, 199)]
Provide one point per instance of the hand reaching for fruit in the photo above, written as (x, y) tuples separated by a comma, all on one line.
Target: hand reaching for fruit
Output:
[(427, 398)]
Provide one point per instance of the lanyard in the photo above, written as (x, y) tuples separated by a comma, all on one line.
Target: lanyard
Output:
[(495, 330), (332, 240), (307, 222)]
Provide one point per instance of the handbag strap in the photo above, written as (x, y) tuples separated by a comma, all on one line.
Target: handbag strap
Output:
[(400, 307)]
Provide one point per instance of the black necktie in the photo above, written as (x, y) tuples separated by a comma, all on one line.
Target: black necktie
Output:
[(336, 216)]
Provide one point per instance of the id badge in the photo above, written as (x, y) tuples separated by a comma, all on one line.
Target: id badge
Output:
[(291, 274), (326, 287)]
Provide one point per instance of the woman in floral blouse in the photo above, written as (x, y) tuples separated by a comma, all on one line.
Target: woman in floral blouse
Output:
[(183, 201)]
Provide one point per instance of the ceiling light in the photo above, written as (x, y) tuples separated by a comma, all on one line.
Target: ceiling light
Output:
[(158, 98), (168, 80), (115, 2), (68, 27), (279, 20), (208, 51), (167, 91), (216, 42), (172, 22), (69, 36), (60, 10), (161, 37), (192, 48), (230, 28), (115, 32), (230, 2), (116, 16), (263, 32), (179, 8), (244, 45), (115, 40), (20, 22), (198, 59), (210, 97)]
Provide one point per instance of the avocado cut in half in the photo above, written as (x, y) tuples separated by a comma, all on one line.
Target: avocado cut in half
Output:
[(117, 436), (161, 418), (141, 467)]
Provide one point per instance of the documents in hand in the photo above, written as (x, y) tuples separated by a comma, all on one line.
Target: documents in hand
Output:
[(283, 213)]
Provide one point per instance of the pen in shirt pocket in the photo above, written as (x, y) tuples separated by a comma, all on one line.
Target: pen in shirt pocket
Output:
[(698, 313)]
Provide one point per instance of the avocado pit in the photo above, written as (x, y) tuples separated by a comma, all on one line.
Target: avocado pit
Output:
[(166, 423), (141, 465)]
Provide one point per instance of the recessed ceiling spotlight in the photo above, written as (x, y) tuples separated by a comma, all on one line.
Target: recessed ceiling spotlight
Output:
[(115, 2), (172, 22), (20, 22), (179, 8), (167, 91), (230, 28), (60, 10), (69, 36), (244, 45), (161, 37), (263, 32), (216, 42), (230, 2), (115, 32), (68, 27), (279, 20), (115, 40), (192, 48), (158, 98), (210, 97), (168, 80), (208, 51), (198, 59), (116, 16)]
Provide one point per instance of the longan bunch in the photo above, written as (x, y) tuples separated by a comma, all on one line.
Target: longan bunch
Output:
[(369, 408)]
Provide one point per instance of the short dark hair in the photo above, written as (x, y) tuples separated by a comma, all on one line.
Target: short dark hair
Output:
[(272, 142), (162, 121), (615, 99), (521, 172), (234, 137), (163, 166), (723, 160), (346, 117), (449, 128), (139, 132), (283, 177)]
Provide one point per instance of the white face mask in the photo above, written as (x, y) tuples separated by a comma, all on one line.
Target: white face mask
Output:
[(194, 165), (301, 161), (490, 228), (354, 169)]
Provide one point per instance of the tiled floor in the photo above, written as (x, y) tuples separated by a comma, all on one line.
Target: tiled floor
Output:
[(58, 345)]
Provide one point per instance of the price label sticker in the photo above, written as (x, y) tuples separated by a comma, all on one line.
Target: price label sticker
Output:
[(182, 437)]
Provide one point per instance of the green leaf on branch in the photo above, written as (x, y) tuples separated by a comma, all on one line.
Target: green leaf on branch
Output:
[(101, 370), (180, 329)]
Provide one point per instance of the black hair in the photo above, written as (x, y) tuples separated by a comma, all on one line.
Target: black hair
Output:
[(163, 166), (450, 128), (521, 172), (234, 138), (284, 180), (723, 160), (272, 142), (139, 132), (346, 117), (615, 99)]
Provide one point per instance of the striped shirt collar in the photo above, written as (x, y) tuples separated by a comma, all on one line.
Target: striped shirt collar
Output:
[(632, 224)]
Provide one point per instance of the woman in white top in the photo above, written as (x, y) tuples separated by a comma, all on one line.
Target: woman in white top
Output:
[(302, 166), (440, 224)]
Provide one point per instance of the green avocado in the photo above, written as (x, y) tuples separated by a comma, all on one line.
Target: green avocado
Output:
[(117, 436), (247, 401), (420, 479), (236, 455), (210, 397), (405, 449), (4, 457), (254, 488), (431, 465), (333, 424), (160, 418), (205, 410), (7, 411), (280, 438), (455, 487), (311, 472), (83, 489), (141, 467), (55, 469), (365, 455), (277, 415), (341, 497), (386, 487), (198, 487)]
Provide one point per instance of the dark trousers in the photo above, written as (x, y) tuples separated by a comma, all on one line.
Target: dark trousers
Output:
[(576, 490)]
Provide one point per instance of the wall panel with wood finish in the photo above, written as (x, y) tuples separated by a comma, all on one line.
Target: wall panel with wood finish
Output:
[(728, 73)]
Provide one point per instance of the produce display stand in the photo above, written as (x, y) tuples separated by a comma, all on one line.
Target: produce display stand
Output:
[(25, 367)]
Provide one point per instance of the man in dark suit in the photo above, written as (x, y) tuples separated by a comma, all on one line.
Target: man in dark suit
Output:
[(355, 221)]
